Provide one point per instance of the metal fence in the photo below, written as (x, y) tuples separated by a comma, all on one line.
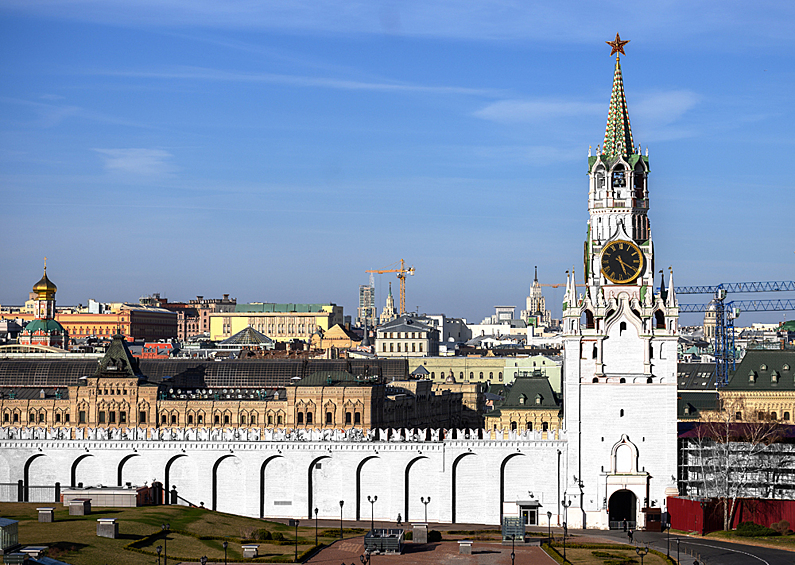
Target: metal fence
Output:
[(19, 492), (619, 525)]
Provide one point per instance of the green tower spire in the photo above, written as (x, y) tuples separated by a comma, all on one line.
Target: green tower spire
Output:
[(618, 133)]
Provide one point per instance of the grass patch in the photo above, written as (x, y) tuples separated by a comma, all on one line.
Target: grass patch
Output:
[(603, 554), (193, 532)]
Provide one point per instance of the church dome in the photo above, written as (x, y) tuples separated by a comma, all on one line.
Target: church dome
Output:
[(45, 287)]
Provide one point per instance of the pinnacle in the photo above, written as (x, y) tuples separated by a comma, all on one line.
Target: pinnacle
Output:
[(618, 133)]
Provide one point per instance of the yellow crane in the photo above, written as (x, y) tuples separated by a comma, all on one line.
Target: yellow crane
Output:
[(401, 274)]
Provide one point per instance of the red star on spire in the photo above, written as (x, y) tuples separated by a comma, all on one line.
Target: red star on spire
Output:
[(617, 45)]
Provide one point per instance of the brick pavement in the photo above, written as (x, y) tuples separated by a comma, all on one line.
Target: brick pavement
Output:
[(445, 553)]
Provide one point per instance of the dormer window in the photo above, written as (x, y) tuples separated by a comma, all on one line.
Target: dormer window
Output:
[(774, 377), (522, 399), (763, 367), (539, 399), (752, 377)]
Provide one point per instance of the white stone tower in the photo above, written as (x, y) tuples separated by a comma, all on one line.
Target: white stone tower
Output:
[(619, 345)]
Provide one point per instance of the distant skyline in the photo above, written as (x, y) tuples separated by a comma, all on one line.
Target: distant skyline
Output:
[(277, 151)]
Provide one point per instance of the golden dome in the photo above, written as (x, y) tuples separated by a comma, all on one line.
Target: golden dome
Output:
[(45, 287)]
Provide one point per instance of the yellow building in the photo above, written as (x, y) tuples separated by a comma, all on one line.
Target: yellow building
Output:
[(280, 322), (494, 370), (530, 404), (118, 396)]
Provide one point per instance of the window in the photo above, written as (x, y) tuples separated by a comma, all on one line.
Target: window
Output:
[(122, 417), (513, 426), (785, 417), (544, 426), (471, 375), (738, 416), (253, 419), (347, 418), (81, 417), (279, 420), (491, 375), (383, 348), (163, 419), (101, 416), (481, 375), (309, 418), (357, 418), (398, 348), (300, 418), (41, 416), (391, 347), (328, 417), (500, 378), (226, 418), (420, 347), (112, 417), (529, 426), (243, 419), (141, 417), (32, 417), (773, 416), (66, 417), (6, 417), (190, 418), (595, 380), (16, 418), (216, 420), (413, 347), (200, 418)]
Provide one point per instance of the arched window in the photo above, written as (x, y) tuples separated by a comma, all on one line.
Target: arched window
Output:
[(328, 417), (595, 380), (391, 347), (513, 426), (588, 322), (621, 413), (622, 380), (481, 375), (785, 417), (595, 351), (544, 426), (773, 416), (308, 418), (471, 375), (659, 319), (300, 418)]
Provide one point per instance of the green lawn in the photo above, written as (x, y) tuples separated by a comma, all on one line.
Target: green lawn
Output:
[(780, 542), (74, 538)]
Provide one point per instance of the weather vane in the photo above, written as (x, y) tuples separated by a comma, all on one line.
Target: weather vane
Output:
[(618, 45)]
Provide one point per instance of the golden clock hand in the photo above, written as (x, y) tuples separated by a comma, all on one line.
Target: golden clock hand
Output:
[(623, 265)]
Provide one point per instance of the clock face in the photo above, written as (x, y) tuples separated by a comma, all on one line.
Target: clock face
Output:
[(622, 261)]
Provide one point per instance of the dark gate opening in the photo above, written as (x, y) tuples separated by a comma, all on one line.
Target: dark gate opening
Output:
[(621, 510)]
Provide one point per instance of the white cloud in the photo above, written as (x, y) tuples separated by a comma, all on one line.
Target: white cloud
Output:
[(144, 162), (523, 111), (662, 108), (199, 73)]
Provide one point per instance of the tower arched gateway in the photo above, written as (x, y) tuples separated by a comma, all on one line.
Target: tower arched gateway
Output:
[(620, 342)]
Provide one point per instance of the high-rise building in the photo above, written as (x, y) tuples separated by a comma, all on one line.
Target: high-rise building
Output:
[(536, 312), (388, 313), (367, 312), (620, 345)]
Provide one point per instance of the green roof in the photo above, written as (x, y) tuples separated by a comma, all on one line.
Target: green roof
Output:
[(771, 369), (527, 392), (618, 133), (118, 361), (48, 326), (332, 378)]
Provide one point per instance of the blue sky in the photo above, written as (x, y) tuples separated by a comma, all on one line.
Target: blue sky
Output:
[(277, 150)]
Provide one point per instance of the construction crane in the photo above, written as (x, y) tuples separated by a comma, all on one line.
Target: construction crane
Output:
[(727, 312), (401, 274)]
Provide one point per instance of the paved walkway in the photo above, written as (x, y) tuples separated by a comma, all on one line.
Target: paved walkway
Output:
[(483, 553)]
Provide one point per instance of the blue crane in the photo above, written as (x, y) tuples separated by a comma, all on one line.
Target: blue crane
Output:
[(726, 312)]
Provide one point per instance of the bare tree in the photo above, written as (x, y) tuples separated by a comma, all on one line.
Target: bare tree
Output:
[(733, 453)]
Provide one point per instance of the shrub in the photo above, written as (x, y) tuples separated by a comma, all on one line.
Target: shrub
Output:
[(781, 527), (409, 535), (750, 530), (262, 535), (434, 536), (277, 536)]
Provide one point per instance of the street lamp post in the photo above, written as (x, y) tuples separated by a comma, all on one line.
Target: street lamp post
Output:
[(677, 550), (565, 526), (513, 547), (165, 528), (342, 503), (296, 540), (159, 548), (372, 500), (549, 526), (225, 544), (315, 526), (426, 502), (642, 551)]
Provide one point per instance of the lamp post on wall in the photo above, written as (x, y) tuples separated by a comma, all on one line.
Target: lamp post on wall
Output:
[(549, 526), (426, 502), (165, 528), (315, 526), (342, 503), (372, 509)]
